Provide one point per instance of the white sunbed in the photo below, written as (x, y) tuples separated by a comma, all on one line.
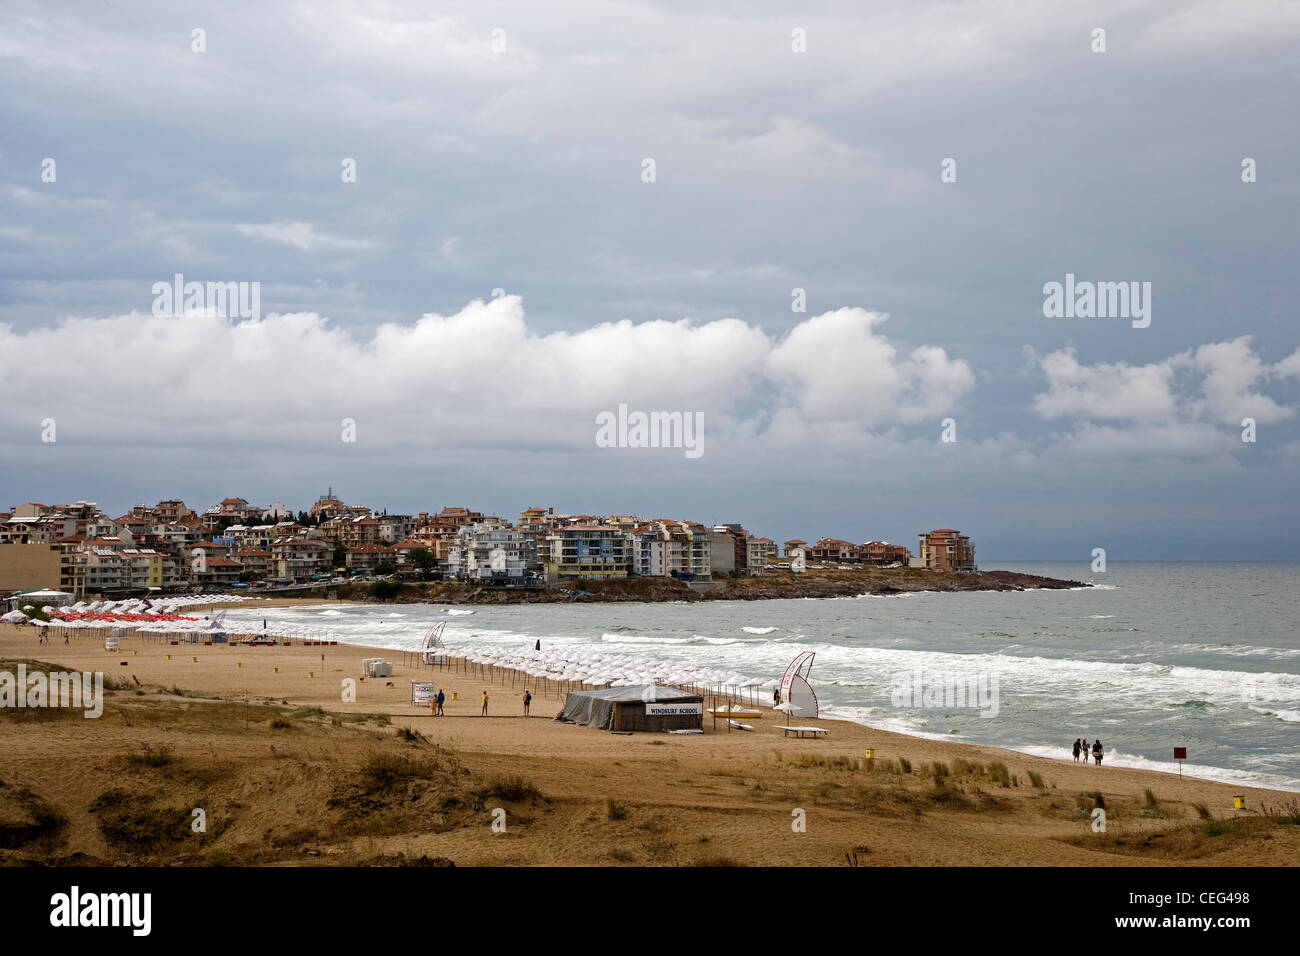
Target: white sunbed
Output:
[(800, 731)]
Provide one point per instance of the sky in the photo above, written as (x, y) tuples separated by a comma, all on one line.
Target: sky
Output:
[(826, 231)]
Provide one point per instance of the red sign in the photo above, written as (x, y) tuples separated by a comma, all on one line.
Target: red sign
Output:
[(1180, 753)]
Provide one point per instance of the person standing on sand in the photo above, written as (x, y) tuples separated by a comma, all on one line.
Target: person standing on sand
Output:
[(485, 703), (1077, 747), (528, 699), (440, 698), (1097, 753)]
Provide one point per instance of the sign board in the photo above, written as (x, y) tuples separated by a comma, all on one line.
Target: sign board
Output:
[(423, 692), (1180, 753), (674, 709)]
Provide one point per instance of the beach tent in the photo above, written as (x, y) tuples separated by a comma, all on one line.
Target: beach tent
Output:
[(644, 707), (40, 598)]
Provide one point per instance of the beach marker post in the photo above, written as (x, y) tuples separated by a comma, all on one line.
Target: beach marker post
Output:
[(1180, 754)]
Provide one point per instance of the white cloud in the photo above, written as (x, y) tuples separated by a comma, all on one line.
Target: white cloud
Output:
[(1176, 406), (301, 235), (836, 367), (1102, 391), (478, 378)]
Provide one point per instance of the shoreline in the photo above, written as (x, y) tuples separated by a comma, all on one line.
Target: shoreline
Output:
[(817, 582), (220, 706), (1226, 776)]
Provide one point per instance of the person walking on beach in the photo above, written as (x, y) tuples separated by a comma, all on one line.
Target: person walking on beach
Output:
[(440, 698), (528, 699), (1097, 753), (1077, 747), (485, 703)]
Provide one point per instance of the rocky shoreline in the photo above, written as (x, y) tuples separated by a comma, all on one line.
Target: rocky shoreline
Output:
[(811, 584)]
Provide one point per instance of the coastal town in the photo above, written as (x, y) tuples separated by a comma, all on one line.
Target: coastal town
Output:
[(169, 547)]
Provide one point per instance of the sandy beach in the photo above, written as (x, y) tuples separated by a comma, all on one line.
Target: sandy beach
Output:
[(283, 782)]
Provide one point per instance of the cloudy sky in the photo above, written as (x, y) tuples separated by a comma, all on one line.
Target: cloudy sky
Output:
[(507, 265)]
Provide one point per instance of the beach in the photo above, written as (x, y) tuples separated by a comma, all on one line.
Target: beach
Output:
[(292, 784)]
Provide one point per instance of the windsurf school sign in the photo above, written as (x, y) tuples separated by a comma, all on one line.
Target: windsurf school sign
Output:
[(423, 692), (674, 710)]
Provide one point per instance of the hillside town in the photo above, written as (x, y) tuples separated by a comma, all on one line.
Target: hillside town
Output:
[(77, 549)]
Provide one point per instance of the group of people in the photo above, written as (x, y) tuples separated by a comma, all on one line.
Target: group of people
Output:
[(1081, 748), (435, 704)]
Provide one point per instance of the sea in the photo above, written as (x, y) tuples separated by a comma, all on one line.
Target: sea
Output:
[(1152, 656)]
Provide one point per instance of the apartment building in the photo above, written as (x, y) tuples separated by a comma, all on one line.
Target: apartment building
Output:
[(368, 557), (946, 549), (686, 550), (490, 551), (586, 551), (299, 557), (57, 566)]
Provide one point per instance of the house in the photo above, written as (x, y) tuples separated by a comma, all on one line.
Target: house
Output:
[(257, 563), (393, 528), (220, 571), (881, 553), (171, 511), (793, 544), (835, 551), (355, 532), (402, 551), (368, 557)]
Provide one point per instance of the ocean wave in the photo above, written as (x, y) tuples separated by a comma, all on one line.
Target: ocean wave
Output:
[(1290, 716), (758, 630)]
